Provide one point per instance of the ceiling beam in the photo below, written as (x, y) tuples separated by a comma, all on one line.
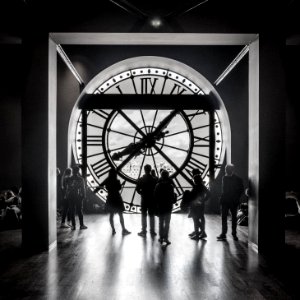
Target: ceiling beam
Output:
[(232, 65), (139, 101), (81, 38), (69, 64)]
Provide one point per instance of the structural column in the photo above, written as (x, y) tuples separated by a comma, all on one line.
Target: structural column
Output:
[(39, 143), (266, 144)]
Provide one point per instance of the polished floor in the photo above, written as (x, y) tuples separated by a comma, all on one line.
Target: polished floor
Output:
[(93, 264)]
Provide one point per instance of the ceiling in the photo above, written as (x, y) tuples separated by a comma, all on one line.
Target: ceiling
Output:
[(17, 16)]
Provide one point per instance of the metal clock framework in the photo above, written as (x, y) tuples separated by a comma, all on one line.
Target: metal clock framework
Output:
[(126, 137)]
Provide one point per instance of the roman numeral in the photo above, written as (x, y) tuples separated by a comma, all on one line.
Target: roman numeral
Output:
[(93, 140), (191, 116), (101, 113), (148, 85), (101, 167), (178, 187), (195, 164), (95, 126), (201, 146), (177, 89), (119, 89), (133, 83), (201, 139), (95, 154)]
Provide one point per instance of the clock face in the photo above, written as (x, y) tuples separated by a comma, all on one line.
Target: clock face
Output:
[(127, 140)]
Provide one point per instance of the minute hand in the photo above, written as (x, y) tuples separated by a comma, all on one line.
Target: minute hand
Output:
[(164, 123)]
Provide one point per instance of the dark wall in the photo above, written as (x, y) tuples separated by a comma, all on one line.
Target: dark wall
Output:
[(234, 93), (67, 93), (10, 115), (210, 61), (92, 59), (292, 119)]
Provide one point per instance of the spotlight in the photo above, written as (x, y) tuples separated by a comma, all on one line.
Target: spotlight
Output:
[(155, 22)]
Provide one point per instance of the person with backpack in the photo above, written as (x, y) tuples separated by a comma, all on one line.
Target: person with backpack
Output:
[(76, 193), (145, 187)]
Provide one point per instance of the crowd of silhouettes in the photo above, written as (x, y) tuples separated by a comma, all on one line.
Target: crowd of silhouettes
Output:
[(73, 193), (65, 201), (157, 199), (11, 208)]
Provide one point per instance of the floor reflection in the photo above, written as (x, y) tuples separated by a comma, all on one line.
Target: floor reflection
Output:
[(52, 275), (94, 264)]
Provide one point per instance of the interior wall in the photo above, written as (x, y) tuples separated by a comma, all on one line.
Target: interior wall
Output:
[(10, 115), (67, 93), (292, 179), (99, 58), (39, 143), (207, 60)]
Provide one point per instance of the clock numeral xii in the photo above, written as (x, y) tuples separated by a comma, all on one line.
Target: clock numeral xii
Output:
[(148, 85)]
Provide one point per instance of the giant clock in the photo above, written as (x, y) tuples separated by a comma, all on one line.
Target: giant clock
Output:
[(127, 139)]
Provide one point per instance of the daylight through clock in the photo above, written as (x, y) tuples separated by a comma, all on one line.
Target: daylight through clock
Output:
[(174, 139)]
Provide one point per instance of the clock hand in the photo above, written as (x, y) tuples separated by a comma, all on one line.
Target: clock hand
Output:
[(161, 135), (128, 150), (158, 132), (133, 149), (132, 123), (179, 170), (135, 152)]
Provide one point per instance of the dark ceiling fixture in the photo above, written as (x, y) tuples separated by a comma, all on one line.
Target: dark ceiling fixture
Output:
[(132, 9), (157, 20)]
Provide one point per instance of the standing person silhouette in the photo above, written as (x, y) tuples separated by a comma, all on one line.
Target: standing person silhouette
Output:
[(153, 173), (199, 195), (232, 190), (196, 172), (76, 193), (165, 198), (187, 199), (114, 202), (145, 187), (65, 203), (59, 196)]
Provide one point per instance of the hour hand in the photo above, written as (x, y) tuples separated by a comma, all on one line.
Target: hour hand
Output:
[(132, 147), (161, 135)]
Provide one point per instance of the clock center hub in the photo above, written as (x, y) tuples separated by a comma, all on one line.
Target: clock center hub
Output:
[(150, 140)]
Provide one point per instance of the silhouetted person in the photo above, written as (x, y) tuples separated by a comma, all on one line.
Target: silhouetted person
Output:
[(145, 187), (58, 189), (65, 202), (187, 199), (232, 190), (165, 198), (153, 173), (114, 202), (12, 205), (199, 195), (196, 172), (76, 193)]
